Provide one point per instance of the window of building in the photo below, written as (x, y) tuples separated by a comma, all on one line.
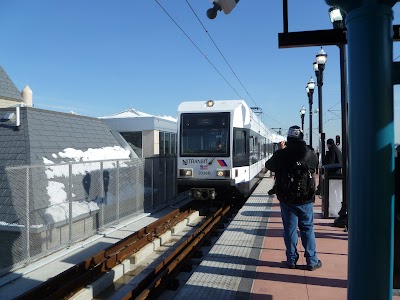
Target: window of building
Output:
[(134, 139), (162, 146), (167, 143), (173, 143)]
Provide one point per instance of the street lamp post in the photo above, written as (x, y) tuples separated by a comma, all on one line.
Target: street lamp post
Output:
[(337, 17), (302, 113), (319, 67), (310, 91)]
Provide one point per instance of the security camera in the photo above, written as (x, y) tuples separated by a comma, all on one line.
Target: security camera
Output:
[(225, 5), (212, 12)]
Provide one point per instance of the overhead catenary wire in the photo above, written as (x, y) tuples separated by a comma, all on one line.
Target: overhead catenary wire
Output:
[(197, 47), (228, 64), (220, 52), (331, 111), (205, 56)]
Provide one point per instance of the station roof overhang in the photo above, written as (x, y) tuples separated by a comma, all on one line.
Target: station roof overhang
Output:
[(320, 37)]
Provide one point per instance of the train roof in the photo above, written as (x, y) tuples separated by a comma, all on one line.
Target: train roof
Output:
[(219, 105), (244, 116)]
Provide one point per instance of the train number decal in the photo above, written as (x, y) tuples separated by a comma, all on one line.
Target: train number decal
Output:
[(202, 172)]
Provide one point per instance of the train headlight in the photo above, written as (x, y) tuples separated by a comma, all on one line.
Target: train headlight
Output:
[(223, 173), (210, 103), (185, 172)]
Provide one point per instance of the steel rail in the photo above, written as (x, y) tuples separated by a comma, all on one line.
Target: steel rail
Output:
[(163, 270), (65, 284)]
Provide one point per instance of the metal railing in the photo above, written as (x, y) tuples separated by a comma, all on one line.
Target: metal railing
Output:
[(44, 208)]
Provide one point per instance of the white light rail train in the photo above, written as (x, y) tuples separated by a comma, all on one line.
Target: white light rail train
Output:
[(222, 148)]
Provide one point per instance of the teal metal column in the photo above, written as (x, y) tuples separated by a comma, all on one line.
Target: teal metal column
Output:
[(371, 147)]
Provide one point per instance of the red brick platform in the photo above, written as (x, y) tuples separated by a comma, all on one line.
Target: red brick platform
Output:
[(275, 281)]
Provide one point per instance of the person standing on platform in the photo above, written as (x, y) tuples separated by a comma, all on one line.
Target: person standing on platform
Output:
[(332, 161), (294, 168), (333, 156)]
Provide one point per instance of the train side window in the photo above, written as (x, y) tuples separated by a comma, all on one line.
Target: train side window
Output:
[(241, 153), (265, 148), (240, 142), (255, 148)]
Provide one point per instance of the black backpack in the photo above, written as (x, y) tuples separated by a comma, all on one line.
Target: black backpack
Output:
[(297, 185)]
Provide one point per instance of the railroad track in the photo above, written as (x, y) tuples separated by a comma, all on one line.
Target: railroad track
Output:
[(165, 271), (71, 281)]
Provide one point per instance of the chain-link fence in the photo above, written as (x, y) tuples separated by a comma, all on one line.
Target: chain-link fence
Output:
[(160, 181), (45, 208)]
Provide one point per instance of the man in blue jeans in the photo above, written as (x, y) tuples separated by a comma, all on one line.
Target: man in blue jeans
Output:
[(297, 204)]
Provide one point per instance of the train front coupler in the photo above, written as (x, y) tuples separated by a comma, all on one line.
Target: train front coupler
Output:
[(202, 193)]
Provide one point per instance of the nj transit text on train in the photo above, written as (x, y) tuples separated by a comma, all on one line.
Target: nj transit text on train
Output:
[(195, 161)]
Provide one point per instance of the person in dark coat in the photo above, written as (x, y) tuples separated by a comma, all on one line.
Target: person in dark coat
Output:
[(296, 214), (332, 161), (333, 157)]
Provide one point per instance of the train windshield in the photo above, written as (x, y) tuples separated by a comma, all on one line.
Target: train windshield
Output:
[(205, 134)]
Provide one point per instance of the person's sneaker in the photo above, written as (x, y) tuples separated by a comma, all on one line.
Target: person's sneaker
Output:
[(293, 266), (271, 192), (317, 266)]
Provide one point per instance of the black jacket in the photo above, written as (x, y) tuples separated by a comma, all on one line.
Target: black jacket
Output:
[(283, 159), (333, 156)]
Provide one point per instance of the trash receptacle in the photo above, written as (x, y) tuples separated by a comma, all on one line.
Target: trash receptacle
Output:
[(332, 195)]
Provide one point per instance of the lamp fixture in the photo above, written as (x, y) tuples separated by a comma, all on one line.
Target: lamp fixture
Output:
[(321, 57), (315, 66), (311, 85), (337, 17)]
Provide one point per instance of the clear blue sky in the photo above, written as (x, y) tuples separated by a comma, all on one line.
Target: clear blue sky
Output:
[(97, 57)]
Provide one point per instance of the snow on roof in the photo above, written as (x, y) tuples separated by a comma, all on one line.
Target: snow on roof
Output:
[(57, 191), (129, 113), (133, 113), (168, 118)]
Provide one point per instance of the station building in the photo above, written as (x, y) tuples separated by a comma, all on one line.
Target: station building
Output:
[(148, 135), (65, 176), (55, 188)]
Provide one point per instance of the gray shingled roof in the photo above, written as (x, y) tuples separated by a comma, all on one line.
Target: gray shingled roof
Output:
[(51, 132), (41, 135), (44, 133), (8, 90)]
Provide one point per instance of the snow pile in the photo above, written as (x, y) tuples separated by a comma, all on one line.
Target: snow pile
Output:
[(59, 204), (105, 153)]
